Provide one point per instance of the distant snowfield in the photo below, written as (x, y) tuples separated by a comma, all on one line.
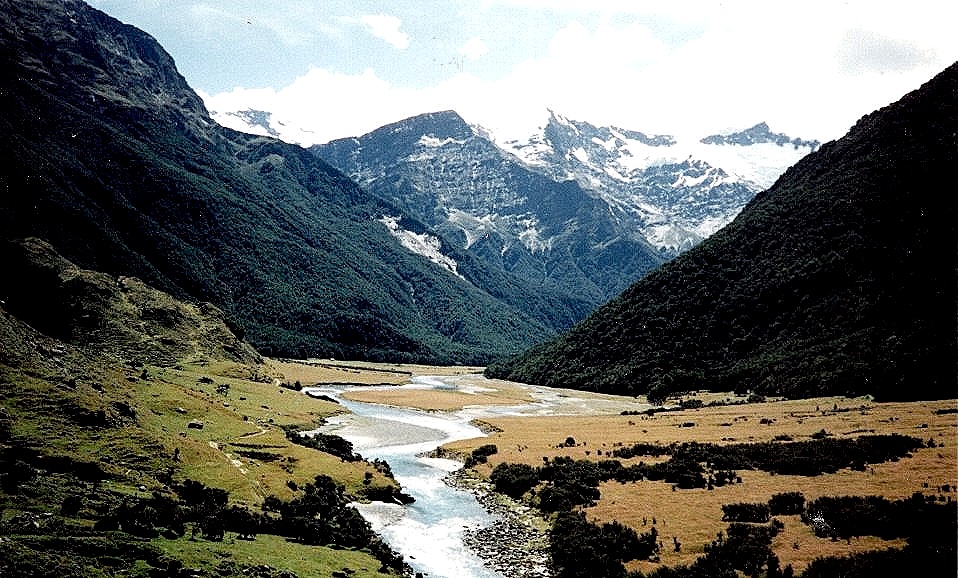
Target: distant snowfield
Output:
[(760, 163), (676, 191)]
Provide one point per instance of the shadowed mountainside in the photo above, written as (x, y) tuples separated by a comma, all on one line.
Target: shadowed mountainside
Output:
[(113, 159), (116, 315), (841, 278)]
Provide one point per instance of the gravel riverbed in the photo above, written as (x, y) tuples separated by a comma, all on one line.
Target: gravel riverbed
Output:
[(517, 543)]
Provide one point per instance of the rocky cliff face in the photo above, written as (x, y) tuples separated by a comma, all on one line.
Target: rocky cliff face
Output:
[(552, 234)]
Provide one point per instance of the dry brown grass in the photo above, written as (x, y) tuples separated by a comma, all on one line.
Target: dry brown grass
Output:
[(326, 371), (695, 516), (319, 372)]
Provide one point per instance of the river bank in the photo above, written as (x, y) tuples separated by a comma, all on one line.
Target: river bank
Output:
[(516, 544), (472, 531)]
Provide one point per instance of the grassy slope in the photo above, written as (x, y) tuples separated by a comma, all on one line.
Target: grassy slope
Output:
[(88, 404)]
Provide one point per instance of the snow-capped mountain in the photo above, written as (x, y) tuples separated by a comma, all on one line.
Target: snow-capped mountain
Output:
[(578, 209), (550, 233), (674, 192), (671, 192)]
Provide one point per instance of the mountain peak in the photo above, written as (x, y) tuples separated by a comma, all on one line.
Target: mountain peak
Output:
[(116, 63), (604, 133), (442, 124), (758, 134)]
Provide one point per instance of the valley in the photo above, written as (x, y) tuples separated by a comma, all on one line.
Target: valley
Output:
[(243, 449), (590, 352)]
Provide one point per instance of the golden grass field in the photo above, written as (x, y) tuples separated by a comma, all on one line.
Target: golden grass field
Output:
[(694, 517)]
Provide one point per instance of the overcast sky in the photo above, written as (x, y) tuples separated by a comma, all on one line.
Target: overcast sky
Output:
[(344, 67)]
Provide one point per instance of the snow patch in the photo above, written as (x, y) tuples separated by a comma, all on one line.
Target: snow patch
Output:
[(760, 163), (429, 246), (711, 225), (530, 236), (472, 226), (428, 140), (671, 237), (581, 155)]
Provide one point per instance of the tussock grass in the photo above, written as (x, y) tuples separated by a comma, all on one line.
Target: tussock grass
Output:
[(694, 516)]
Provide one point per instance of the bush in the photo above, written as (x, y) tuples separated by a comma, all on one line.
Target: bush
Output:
[(786, 504), (481, 454), (581, 549), (755, 513), (514, 480), (330, 443)]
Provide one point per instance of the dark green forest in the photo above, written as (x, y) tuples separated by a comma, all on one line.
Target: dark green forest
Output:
[(839, 279)]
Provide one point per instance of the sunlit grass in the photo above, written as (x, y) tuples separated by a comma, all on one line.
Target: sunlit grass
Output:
[(274, 551)]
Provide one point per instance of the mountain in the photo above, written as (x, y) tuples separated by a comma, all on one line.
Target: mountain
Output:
[(839, 279), (576, 211), (556, 237), (759, 134), (675, 193), (111, 158)]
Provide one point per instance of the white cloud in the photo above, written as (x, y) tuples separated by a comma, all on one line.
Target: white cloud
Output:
[(474, 48), (863, 51), (810, 70), (386, 28)]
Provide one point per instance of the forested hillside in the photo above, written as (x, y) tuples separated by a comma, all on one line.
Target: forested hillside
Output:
[(112, 158), (841, 278)]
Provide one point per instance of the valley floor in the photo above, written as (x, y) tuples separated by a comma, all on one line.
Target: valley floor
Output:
[(694, 517)]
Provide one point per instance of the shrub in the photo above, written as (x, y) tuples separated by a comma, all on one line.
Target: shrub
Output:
[(786, 504), (514, 480), (481, 454), (756, 513)]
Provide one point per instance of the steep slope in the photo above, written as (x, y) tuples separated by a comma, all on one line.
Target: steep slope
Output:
[(841, 278), (112, 158), (671, 191), (127, 415), (553, 236), (121, 316)]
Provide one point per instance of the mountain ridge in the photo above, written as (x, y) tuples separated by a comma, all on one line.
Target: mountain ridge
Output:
[(554, 236), (672, 191)]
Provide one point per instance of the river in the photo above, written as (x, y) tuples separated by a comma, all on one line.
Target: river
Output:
[(429, 532)]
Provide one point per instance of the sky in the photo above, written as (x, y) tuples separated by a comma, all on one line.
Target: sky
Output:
[(340, 68)]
